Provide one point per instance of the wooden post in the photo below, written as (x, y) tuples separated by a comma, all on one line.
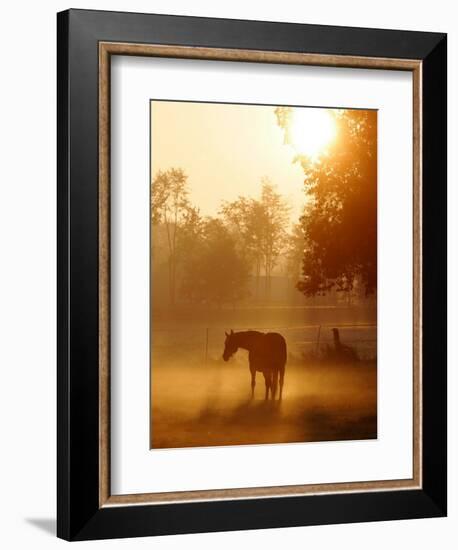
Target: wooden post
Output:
[(206, 344), (318, 341)]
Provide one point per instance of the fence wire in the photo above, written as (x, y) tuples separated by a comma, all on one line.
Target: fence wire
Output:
[(302, 341)]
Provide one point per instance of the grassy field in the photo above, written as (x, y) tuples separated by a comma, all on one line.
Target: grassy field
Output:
[(198, 400), (206, 404)]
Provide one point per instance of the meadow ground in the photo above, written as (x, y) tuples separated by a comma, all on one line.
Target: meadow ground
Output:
[(207, 404)]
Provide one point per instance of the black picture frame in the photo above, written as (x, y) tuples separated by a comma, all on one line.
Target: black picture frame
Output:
[(79, 515)]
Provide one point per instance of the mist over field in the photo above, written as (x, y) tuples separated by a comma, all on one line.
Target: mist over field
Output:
[(211, 405), (198, 400), (263, 220)]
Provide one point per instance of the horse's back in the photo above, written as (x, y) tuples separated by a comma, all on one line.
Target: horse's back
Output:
[(275, 346)]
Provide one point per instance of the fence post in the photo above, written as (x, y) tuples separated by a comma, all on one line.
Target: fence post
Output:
[(206, 345), (318, 340)]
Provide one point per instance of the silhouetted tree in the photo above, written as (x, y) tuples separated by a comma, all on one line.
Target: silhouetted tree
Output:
[(275, 218), (260, 225), (216, 273), (244, 219), (171, 210), (191, 232), (294, 253), (340, 218)]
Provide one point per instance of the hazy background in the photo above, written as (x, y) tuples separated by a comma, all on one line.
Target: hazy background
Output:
[(225, 150), (227, 252)]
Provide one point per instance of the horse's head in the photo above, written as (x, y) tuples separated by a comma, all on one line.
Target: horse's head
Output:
[(230, 346)]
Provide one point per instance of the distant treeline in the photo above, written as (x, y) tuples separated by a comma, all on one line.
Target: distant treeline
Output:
[(213, 260), (234, 256)]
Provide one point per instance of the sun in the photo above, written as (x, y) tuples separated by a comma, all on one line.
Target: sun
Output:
[(311, 131)]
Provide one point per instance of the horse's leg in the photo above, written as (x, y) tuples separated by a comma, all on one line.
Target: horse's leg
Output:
[(282, 377), (267, 381), (274, 382), (253, 381)]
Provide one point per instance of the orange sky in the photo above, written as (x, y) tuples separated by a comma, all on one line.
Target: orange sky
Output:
[(225, 150)]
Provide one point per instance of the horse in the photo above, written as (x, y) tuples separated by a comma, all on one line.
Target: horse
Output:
[(266, 354)]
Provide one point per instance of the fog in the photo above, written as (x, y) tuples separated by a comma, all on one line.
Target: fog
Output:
[(262, 219), (210, 404)]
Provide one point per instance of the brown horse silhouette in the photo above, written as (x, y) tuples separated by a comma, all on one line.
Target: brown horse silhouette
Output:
[(266, 354)]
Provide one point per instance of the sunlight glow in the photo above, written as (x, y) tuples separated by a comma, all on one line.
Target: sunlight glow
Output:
[(311, 131)]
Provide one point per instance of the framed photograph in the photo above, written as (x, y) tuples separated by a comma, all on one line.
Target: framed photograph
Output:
[(251, 275)]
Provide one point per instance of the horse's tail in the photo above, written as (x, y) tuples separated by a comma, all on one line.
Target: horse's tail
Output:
[(284, 353), (278, 348)]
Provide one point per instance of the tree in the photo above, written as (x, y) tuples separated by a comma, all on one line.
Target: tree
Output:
[(340, 217), (260, 225), (294, 254), (190, 234), (171, 210), (243, 217), (216, 273), (274, 220)]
